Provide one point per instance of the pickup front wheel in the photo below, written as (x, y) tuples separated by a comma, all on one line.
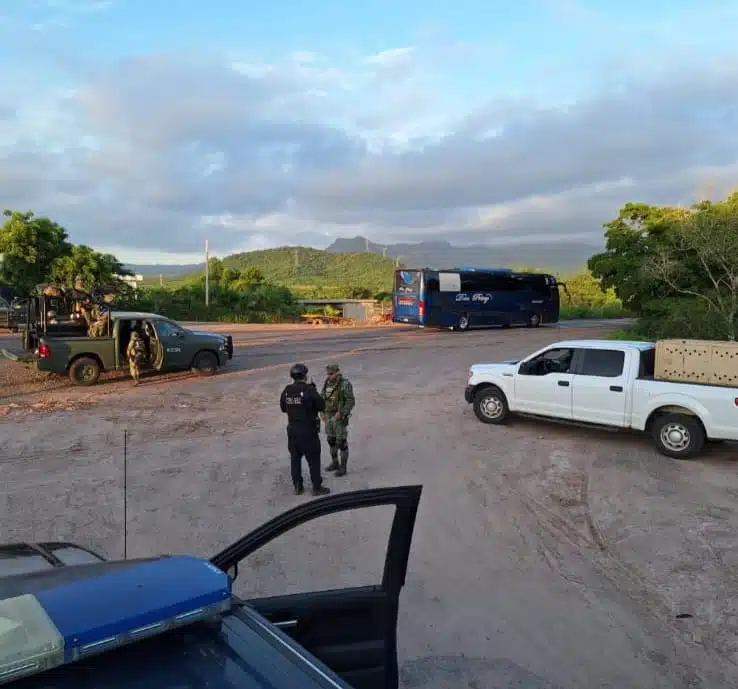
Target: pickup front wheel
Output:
[(678, 436), (490, 406), (205, 363), (84, 371)]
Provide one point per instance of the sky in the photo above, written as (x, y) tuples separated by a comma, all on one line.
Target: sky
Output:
[(146, 128)]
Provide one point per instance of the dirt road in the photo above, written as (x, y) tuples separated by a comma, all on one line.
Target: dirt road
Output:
[(544, 556)]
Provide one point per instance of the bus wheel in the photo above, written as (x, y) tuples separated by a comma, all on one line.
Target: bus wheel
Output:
[(463, 322), (534, 320)]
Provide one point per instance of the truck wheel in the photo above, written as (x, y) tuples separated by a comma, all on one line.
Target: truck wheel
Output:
[(678, 436), (84, 371), (490, 406), (205, 363), (463, 322), (534, 320)]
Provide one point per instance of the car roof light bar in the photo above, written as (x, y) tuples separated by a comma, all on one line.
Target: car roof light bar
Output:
[(64, 623)]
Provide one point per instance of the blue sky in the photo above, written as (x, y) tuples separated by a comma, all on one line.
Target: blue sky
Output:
[(324, 102)]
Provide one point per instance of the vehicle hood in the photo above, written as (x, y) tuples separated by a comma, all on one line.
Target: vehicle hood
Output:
[(205, 333), (494, 369)]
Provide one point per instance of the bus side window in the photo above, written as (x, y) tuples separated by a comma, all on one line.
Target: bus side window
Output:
[(433, 285)]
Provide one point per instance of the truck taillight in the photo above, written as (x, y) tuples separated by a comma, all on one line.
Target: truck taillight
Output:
[(421, 308), (43, 351)]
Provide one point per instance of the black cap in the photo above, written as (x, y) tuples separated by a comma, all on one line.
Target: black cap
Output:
[(298, 371)]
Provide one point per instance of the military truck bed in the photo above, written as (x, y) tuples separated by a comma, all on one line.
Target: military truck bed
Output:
[(242, 652)]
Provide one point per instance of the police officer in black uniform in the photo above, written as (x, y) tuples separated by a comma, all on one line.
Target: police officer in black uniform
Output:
[(302, 404)]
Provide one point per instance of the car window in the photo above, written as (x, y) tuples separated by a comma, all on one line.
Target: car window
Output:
[(21, 559), (557, 360), (606, 363), (70, 555), (167, 328), (297, 561)]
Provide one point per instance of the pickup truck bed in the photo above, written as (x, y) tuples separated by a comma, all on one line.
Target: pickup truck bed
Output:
[(606, 383)]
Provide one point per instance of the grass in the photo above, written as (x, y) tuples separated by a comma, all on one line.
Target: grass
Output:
[(569, 311)]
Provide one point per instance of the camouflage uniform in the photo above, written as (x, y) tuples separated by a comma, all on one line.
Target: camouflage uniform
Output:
[(135, 352), (100, 326), (338, 394)]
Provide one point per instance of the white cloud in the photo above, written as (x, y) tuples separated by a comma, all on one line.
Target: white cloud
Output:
[(155, 153)]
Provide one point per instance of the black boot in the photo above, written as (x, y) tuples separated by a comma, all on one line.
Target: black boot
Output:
[(333, 466), (341, 471), (321, 490), (299, 489)]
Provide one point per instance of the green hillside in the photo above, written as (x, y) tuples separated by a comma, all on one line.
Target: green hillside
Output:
[(312, 271)]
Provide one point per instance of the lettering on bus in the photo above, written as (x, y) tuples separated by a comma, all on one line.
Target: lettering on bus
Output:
[(478, 297)]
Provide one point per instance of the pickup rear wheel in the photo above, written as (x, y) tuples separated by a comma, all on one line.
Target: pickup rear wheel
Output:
[(84, 371), (678, 436), (490, 406), (205, 363)]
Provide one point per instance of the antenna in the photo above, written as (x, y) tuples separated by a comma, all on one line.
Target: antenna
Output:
[(125, 494)]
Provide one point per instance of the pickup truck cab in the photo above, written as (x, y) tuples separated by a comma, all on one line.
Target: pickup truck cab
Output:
[(606, 383), (336, 639), (170, 347)]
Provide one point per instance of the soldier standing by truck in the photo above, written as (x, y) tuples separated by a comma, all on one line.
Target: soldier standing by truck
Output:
[(338, 394), (135, 353)]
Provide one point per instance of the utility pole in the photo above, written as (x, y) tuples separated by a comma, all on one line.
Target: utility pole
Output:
[(297, 259), (207, 275), (366, 241), (384, 252), (161, 280)]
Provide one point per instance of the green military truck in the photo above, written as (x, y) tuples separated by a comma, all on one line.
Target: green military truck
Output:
[(170, 347)]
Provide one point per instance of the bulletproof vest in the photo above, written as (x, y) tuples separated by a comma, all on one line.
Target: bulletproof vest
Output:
[(332, 395), (301, 409)]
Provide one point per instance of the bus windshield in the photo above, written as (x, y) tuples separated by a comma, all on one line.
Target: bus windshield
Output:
[(408, 281)]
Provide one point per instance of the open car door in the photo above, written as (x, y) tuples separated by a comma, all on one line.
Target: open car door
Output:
[(352, 630)]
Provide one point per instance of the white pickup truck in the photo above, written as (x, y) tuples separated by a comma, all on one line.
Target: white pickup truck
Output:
[(606, 383)]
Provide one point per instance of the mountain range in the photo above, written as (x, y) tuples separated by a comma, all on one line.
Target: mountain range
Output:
[(555, 256)]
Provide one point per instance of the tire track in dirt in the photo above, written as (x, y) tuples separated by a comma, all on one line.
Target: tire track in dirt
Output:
[(551, 530)]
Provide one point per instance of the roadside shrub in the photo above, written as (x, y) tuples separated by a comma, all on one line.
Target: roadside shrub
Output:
[(254, 303)]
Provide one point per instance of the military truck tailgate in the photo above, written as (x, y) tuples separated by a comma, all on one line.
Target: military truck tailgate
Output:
[(243, 652)]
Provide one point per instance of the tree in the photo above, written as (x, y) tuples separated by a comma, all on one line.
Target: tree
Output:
[(95, 268), (675, 268), (29, 247), (251, 276), (631, 238), (701, 261)]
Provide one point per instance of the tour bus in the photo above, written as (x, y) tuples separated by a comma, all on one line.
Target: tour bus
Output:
[(461, 298)]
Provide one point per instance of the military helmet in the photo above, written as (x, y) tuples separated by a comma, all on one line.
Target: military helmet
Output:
[(333, 368), (298, 371)]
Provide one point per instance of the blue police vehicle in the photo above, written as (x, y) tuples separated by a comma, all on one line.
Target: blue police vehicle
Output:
[(71, 620)]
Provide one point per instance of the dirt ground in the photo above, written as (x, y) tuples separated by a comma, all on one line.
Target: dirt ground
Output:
[(544, 556)]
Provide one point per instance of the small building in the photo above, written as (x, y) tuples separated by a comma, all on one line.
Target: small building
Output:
[(359, 310), (132, 281)]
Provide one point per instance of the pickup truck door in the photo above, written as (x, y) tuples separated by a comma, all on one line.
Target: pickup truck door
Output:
[(601, 386), (173, 351), (351, 630), (543, 384)]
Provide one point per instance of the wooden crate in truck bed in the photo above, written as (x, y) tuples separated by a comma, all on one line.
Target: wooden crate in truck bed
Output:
[(697, 361)]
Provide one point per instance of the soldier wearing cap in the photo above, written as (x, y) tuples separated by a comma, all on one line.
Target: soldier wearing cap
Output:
[(338, 394)]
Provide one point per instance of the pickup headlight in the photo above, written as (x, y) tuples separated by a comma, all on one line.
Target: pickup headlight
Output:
[(222, 347)]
